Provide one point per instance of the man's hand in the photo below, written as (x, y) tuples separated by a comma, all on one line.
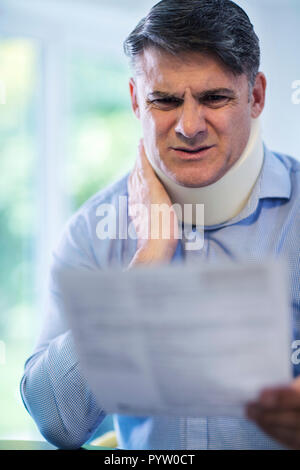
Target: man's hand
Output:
[(277, 412), (157, 235)]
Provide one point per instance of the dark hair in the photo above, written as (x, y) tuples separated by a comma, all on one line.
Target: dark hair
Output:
[(219, 27)]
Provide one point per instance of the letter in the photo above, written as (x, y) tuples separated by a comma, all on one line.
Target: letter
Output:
[(295, 356), (181, 460), (139, 213), (178, 210), (107, 460), (296, 93), (109, 221), (123, 217), (151, 457), (191, 457), (196, 238), (162, 216)]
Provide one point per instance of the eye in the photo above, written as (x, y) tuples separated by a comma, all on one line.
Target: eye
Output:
[(165, 103), (216, 101)]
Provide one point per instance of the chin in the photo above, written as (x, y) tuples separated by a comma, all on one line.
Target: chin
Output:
[(192, 184), (194, 181), (195, 175)]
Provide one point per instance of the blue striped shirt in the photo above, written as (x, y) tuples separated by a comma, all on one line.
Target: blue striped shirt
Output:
[(53, 389)]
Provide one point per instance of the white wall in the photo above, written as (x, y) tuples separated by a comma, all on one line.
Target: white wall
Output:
[(277, 23)]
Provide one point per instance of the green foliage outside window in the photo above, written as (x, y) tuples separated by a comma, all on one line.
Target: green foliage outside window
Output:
[(102, 137), (104, 133), (18, 73)]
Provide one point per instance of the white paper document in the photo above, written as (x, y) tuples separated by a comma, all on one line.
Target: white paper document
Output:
[(180, 340)]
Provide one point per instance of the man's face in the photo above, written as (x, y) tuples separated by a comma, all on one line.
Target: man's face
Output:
[(195, 114)]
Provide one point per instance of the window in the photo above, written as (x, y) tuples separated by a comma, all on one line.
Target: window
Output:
[(103, 132), (67, 130), (18, 227)]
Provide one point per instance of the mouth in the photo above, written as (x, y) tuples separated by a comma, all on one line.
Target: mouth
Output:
[(187, 153)]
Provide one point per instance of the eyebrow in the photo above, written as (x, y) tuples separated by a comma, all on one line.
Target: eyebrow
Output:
[(214, 91)]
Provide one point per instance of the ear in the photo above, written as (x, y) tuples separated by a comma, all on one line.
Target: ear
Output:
[(134, 98), (258, 95)]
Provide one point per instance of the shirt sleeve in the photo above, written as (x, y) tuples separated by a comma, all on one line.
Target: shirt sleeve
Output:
[(52, 388)]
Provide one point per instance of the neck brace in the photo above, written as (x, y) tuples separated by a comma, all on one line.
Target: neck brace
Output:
[(225, 198)]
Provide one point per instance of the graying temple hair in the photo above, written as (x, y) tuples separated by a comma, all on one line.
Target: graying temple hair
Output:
[(219, 27)]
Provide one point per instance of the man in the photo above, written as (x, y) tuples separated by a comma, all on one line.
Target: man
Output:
[(198, 93)]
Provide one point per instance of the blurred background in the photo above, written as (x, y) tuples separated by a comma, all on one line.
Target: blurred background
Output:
[(67, 130)]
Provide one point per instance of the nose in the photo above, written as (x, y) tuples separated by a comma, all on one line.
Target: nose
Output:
[(191, 121)]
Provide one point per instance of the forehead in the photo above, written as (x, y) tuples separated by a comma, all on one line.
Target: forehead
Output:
[(198, 71)]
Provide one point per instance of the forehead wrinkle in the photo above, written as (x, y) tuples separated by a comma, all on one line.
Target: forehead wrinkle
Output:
[(173, 75), (200, 95)]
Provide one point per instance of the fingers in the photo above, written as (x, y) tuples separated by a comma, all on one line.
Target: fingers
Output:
[(277, 412), (284, 398), (284, 426), (284, 435), (144, 180), (263, 417), (142, 161), (136, 177)]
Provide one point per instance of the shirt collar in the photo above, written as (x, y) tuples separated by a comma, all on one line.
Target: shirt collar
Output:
[(275, 178)]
